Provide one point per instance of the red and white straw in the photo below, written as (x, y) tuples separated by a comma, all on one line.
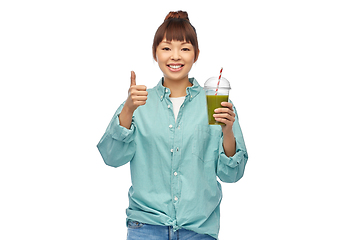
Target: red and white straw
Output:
[(217, 87)]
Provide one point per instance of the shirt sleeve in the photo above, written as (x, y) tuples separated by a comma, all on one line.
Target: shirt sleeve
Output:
[(117, 145), (231, 169)]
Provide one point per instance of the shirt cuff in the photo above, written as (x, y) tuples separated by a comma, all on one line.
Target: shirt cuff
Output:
[(121, 133), (233, 161)]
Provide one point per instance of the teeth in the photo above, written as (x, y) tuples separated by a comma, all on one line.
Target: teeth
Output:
[(175, 66)]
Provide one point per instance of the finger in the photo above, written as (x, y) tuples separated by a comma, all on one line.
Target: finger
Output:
[(140, 103), (225, 116), (135, 92), (133, 79), (139, 98), (138, 87), (224, 120), (225, 110), (227, 104)]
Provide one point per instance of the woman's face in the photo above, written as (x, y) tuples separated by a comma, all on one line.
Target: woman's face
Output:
[(175, 59)]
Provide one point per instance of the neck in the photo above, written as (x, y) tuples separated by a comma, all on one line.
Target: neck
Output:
[(177, 87)]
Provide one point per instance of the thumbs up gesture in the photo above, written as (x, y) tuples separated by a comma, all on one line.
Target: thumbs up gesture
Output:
[(137, 94)]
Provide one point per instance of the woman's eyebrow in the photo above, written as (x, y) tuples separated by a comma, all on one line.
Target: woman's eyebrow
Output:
[(170, 42)]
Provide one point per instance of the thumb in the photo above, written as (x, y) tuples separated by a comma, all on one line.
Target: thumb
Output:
[(132, 79)]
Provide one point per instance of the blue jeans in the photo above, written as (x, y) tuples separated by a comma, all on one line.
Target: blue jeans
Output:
[(141, 231)]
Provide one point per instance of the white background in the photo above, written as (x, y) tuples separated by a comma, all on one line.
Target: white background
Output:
[(294, 70)]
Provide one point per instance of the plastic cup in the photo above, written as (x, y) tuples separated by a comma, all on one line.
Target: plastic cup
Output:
[(215, 95)]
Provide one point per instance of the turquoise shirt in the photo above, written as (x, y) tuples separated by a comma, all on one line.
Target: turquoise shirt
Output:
[(174, 165)]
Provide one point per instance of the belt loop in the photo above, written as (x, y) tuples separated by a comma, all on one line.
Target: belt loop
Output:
[(169, 233)]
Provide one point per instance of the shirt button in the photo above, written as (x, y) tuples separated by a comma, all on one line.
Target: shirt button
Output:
[(168, 106), (170, 126), (177, 149), (166, 90), (175, 173), (175, 198), (172, 150)]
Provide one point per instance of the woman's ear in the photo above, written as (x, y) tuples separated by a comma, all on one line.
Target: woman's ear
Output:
[(198, 53)]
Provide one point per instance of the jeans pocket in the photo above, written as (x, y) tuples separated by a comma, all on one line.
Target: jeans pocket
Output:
[(134, 224)]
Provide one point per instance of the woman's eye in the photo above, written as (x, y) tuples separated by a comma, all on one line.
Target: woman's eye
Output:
[(186, 49), (166, 49)]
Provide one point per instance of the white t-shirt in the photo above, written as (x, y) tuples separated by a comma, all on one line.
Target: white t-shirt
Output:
[(177, 102)]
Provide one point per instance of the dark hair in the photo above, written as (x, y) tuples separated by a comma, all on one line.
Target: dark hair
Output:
[(176, 26)]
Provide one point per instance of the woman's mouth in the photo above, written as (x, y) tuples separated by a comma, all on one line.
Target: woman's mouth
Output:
[(175, 67)]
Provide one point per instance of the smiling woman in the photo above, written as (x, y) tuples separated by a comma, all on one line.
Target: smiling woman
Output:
[(175, 156)]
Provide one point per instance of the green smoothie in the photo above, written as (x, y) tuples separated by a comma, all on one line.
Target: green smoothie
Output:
[(214, 102)]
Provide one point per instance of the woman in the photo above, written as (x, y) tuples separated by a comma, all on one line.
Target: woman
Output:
[(175, 156)]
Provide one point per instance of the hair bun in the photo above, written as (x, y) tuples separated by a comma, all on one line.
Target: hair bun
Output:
[(178, 14)]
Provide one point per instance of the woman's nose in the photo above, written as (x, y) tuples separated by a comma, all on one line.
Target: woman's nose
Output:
[(175, 55)]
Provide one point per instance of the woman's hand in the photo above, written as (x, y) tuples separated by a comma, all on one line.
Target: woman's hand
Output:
[(137, 94), (137, 97), (225, 115)]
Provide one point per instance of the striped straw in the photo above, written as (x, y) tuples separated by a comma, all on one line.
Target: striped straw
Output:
[(217, 87)]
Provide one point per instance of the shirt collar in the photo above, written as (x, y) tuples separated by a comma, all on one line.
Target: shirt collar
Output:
[(192, 91)]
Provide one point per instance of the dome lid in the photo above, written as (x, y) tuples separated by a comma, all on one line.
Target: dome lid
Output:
[(212, 82)]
